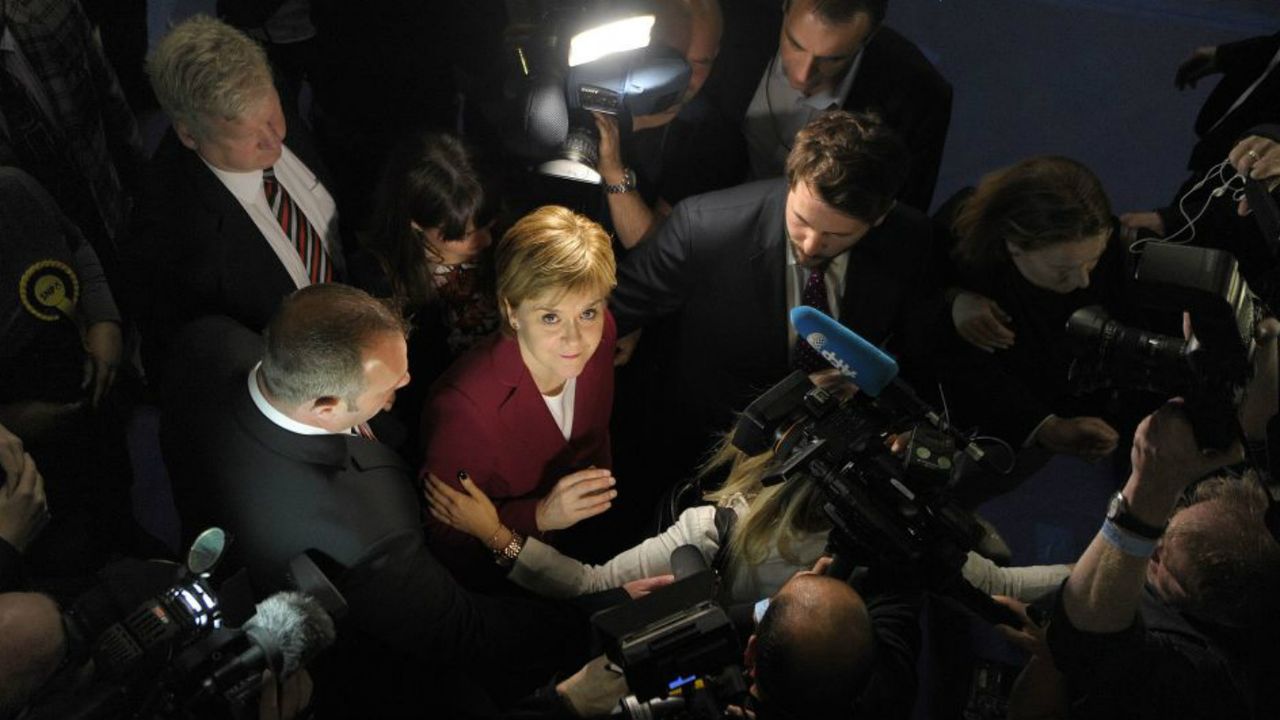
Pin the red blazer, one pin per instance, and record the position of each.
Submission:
(486, 416)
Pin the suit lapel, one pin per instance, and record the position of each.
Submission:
(523, 412)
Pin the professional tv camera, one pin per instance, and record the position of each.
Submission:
(569, 58)
(1210, 371)
(890, 513)
(677, 648)
(157, 635)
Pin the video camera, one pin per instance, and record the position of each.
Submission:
(569, 58)
(158, 638)
(676, 646)
(1210, 371)
(891, 513)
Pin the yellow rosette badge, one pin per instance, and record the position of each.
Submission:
(49, 290)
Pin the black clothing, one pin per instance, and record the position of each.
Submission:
(411, 634)
(1165, 666)
(717, 267)
(894, 80)
(1009, 392)
(197, 252)
(11, 575)
(1242, 63)
(697, 152)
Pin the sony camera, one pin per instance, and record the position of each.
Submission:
(569, 58)
(1210, 371)
(676, 646)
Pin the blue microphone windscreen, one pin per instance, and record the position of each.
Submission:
(869, 367)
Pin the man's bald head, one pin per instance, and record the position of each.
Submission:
(812, 647)
(32, 643)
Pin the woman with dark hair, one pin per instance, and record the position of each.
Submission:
(429, 250)
(1031, 244)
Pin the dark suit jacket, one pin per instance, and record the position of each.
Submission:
(719, 265)
(486, 416)
(197, 252)
(894, 80)
(1241, 63)
(411, 632)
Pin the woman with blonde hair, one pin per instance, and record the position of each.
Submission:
(757, 536)
(524, 416)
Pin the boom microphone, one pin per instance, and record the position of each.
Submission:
(288, 631)
(873, 370)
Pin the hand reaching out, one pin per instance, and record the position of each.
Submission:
(24, 511)
(471, 512)
(1202, 63)
(981, 322)
(1089, 437)
(576, 497)
(105, 346)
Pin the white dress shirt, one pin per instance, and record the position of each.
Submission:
(778, 111)
(308, 193)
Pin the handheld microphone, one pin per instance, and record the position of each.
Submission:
(873, 370)
(869, 367)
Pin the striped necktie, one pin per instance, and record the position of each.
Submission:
(298, 229)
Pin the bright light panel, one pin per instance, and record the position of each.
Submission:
(617, 36)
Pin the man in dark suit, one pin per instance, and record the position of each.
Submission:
(729, 266)
(232, 218)
(272, 444)
(1248, 95)
(781, 64)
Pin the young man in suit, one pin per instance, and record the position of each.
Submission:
(232, 218)
(829, 54)
(727, 267)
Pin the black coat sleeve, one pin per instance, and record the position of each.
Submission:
(654, 279)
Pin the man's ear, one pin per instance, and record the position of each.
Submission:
(185, 136)
(322, 409)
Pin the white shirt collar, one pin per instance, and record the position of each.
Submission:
(246, 186)
(275, 416)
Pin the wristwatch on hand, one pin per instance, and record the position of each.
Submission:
(628, 183)
(1118, 513)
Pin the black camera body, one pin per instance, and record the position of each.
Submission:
(889, 513)
(549, 99)
(676, 646)
(162, 643)
(1210, 372)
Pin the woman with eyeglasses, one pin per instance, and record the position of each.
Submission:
(430, 252)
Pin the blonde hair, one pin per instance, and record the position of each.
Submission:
(552, 249)
(204, 68)
(781, 515)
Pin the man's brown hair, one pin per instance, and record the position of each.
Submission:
(851, 161)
